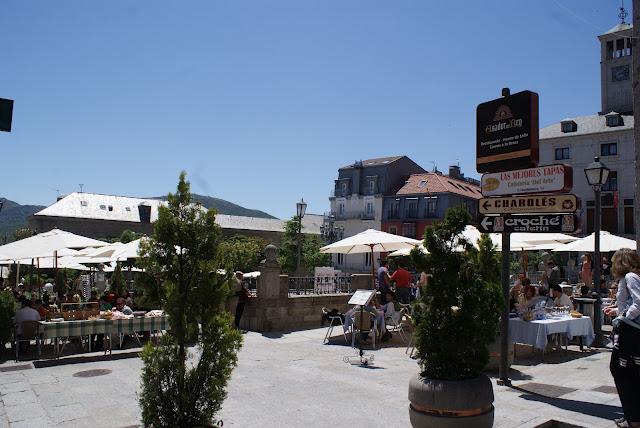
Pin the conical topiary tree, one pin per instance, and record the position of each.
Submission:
(457, 315)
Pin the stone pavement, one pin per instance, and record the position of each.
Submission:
(293, 380)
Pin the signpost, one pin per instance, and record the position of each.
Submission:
(507, 132)
(544, 179)
(527, 204)
(6, 114)
(532, 223)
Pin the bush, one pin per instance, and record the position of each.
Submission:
(457, 316)
(7, 311)
(182, 264)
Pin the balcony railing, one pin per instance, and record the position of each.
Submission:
(355, 215)
(305, 285)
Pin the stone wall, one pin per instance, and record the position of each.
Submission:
(274, 310)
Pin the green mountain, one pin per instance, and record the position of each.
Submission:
(225, 207)
(14, 216)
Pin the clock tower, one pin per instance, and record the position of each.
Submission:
(616, 68)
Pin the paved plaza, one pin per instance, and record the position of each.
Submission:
(293, 380)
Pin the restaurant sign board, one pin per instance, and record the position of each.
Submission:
(507, 133)
(361, 297)
(557, 178)
(533, 223)
(527, 204)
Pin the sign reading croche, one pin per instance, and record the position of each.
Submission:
(507, 133)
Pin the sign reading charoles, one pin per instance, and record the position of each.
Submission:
(507, 133)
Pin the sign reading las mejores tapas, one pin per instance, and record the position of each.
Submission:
(534, 223)
(556, 178)
(529, 204)
(507, 133)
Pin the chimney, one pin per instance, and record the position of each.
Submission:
(145, 213)
(454, 171)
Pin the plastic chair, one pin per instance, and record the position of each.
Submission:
(396, 323)
(29, 333)
(334, 321)
(370, 325)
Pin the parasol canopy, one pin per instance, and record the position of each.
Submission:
(608, 242)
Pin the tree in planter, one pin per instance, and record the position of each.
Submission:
(181, 262)
(310, 254)
(457, 315)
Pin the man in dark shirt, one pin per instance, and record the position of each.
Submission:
(554, 273)
(383, 281)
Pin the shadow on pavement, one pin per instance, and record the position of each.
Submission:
(513, 374)
(85, 359)
(554, 357)
(603, 411)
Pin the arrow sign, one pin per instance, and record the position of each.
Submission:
(529, 204)
(533, 223)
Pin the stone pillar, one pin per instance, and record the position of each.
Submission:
(269, 284)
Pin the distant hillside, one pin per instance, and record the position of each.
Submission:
(14, 216)
(225, 207)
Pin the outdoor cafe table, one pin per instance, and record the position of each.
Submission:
(56, 330)
(535, 332)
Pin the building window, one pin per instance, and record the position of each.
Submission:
(367, 259)
(393, 230)
(127, 209)
(430, 209)
(110, 207)
(563, 153)
(409, 230)
(340, 259)
(629, 228)
(103, 207)
(609, 149)
(340, 209)
(372, 187)
(343, 189)
(394, 209)
(612, 182)
(412, 208)
(369, 208)
(83, 203)
(568, 126)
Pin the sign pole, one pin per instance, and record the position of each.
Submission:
(504, 319)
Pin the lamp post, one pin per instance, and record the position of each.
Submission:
(301, 207)
(597, 174)
(330, 231)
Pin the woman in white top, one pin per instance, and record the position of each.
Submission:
(625, 358)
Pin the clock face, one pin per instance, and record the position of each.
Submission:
(620, 73)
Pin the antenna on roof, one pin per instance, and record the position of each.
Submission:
(435, 167)
(623, 13)
(57, 193)
(81, 186)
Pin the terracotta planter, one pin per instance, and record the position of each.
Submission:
(451, 403)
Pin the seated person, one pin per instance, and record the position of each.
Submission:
(585, 291)
(603, 289)
(559, 298)
(104, 304)
(516, 295)
(122, 307)
(25, 313)
(529, 298)
(42, 311)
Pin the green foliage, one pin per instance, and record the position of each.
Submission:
(22, 233)
(7, 311)
(310, 256)
(129, 235)
(181, 264)
(488, 260)
(457, 315)
(515, 266)
(242, 253)
(118, 283)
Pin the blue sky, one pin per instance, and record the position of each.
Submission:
(262, 101)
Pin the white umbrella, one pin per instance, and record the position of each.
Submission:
(112, 252)
(370, 240)
(407, 251)
(44, 243)
(608, 242)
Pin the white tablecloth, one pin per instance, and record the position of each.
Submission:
(535, 332)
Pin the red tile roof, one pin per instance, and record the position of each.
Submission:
(435, 183)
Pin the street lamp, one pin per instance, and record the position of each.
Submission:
(301, 208)
(597, 174)
(330, 231)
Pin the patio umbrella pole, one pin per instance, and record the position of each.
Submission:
(39, 285)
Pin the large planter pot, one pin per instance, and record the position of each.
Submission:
(451, 403)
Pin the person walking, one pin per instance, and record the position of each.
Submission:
(585, 270)
(625, 357)
(242, 293)
(402, 278)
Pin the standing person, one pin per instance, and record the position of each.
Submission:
(585, 270)
(402, 278)
(605, 268)
(242, 293)
(625, 358)
(554, 273)
(383, 281)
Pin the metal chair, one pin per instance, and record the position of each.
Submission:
(334, 321)
(396, 323)
(29, 333)
(370, 326)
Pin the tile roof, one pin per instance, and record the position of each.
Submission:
(124, 208)
(431, 182)
(593, 124)
(375, 161)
